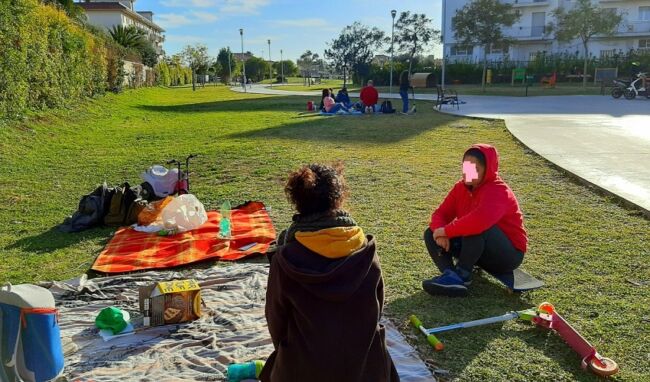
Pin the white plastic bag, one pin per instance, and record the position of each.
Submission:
(184, 213)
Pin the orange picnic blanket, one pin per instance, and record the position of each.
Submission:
(130, 250)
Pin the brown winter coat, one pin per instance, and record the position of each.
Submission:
(323, 312)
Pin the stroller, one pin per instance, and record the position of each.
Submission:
(162, 182)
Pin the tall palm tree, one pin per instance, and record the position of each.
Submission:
(128, 37)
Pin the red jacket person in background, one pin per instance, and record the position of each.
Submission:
(369, 96)
(478, 223)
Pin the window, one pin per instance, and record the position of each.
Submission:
(538, 24)
(644, 13)
(459, 50)
(644, 43)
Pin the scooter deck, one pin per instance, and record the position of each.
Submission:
(518, 280)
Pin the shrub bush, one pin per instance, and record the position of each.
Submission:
(46, 59)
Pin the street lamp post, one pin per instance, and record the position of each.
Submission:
(282, 66)
(392, 43)
(442, 38)
(243, 58)
(229, 68)
(345, 67)
(270, 64)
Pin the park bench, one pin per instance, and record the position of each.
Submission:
(446, 96)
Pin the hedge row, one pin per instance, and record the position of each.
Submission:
(172, 74)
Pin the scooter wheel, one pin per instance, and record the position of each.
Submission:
(617, 93)
(546, 307)
(603, 367)
(629, 94)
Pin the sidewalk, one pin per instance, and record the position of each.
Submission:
(603, 141)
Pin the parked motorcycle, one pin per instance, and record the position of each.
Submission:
(632, 91)
(619, 87)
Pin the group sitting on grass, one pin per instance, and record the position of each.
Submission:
(325, 291)
(342, 104)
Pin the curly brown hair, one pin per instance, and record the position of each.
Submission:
(317, 188)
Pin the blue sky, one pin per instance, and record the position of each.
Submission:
(293, 26)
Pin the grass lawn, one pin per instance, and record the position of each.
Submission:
(592, 253)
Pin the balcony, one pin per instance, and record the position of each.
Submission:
(530, 3)
(535, 33)
(634, 28)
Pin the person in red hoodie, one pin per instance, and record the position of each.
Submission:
(478, 223)
(369, 97)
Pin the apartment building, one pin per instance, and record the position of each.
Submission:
(108, 13)
(531, 37)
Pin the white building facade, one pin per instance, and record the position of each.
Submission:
(531, 37)
(109, 13)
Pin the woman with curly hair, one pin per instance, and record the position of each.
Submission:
(325, 292)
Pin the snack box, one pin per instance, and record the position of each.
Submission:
(170, 302)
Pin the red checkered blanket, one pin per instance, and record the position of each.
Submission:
(130, 250)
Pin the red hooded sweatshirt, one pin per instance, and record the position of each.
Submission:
(466, 212)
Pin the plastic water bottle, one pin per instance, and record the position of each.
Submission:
(241, 371)
(224, 223)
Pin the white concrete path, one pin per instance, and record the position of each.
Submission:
(604, 141)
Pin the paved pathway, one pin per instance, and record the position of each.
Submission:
(601, 140)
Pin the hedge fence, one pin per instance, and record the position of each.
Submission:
(48, 60)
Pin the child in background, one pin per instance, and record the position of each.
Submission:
(325, 292)
(478, 223)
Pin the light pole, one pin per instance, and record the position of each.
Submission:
(243, 58)
(270, 63)
(345, 67)
(442, 37)
(392, 43)
(282, 66)
(229, 68)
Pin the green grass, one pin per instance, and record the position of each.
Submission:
(588, 250)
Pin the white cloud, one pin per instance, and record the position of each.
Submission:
(243, 6)
(301, 23)
(189, 3)
(171, 20)
(204, 17)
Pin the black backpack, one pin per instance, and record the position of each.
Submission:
(91, 210)
(387, 107)
(125, 205)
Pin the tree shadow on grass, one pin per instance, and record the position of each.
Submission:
(54, 239)
(360, 131)
(363, 129)
(487, 299)
(255, 103)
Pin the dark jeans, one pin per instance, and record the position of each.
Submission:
(405, 100)
(490, 250)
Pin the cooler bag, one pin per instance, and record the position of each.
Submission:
(30, 339)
